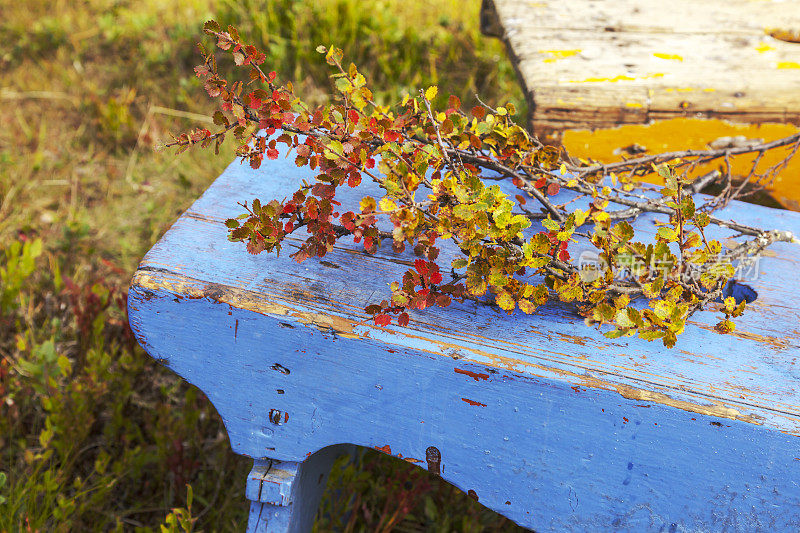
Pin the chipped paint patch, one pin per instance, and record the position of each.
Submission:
(555, 55)
(619, 78)
(473, 402)
(474, 375)
(764, 47)
(773, 342)
(670, 57)
(244, 299)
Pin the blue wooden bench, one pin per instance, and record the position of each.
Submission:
(539, 417)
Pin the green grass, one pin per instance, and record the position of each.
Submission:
(93, 434)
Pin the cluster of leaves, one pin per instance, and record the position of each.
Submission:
(434, 168)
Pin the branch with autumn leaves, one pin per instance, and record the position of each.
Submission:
(437, 170)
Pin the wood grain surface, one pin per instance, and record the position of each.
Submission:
(595, 63)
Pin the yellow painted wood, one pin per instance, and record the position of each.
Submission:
(680, 134)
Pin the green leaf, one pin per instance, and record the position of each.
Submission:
(459, 263)
(502, 219)
(687, 207)
(668, 234)
(211, 26)
(551, 224)
(498, 279)
(464, 212)
(343, 85)
(702, 220)
(651, 335)
(623, 320)
(623, 231)
(538, 262)
(603, 312)
(220, 119)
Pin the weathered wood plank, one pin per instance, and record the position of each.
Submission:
(547, 421)
(593, 64)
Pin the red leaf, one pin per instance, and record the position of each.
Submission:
(454, 102)
(478, 112)
(402, 320)
(369, 163)
(352, 115)
(563, 255)
(390, 136)
(348, 220)
(354, 180)
(272, 75)
(383, 320)
(421, 266)
(541, 182)
(272, 153)
(443, 300)
(435, 278)
(553, 189)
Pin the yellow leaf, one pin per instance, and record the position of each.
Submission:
(505, 301)
(387, 204)
(431, 93)
(527, 306)
(563, 169)
(367, 204)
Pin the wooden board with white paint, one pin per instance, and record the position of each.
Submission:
(597, 64)
(543, 418)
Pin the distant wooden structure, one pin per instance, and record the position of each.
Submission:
(598, 64)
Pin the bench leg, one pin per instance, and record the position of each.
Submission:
(284, 495)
